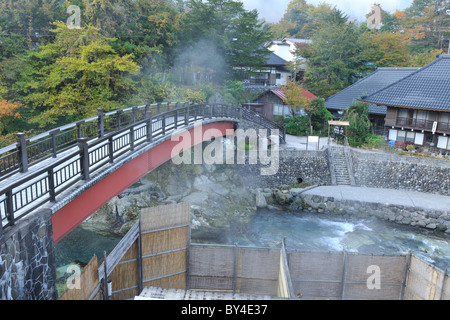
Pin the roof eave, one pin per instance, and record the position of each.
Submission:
(407, 107)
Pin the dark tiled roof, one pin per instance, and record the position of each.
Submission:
(280, 94)
(274, 60)
(379, 79)
(376, 109)
(427, 88)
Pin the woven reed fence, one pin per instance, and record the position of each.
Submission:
(314, 275)
(89, 285)
(342, 275)
(157, 252)
(426, 282)
(153, 253)
(234, 269)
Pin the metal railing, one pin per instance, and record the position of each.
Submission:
(414, 122)
(349, 161)
(18, 157)
(423, 124)
(98, 141)
(260, 119)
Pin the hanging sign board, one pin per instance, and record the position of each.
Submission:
(338, 123)
(339, 130)
(338, 126)
(433, 130)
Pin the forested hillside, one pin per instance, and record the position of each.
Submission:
(342, 51)
(124, 52)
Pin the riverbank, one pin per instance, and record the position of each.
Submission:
(431, 211)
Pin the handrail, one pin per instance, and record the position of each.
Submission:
(265, 122)
(331, 163)
(349, 161)
(89, 154)
(17, 157)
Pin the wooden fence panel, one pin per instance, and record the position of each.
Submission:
(257, 271)
(316, 275)
(165, 244)
(362, 269)
(211, 268)
(425, 282)
(89, 284)
(160, 241)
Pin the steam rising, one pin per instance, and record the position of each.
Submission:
(199, 64)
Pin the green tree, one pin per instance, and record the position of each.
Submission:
(25, 24)
(71, 77)
(360, 125)
(319, 115)
(296, 99)
(426, 23)
(146, 28)
(297, 15)
(385, 49)
(302, 19)
(296, 125)
(334, 57)
(226, 32)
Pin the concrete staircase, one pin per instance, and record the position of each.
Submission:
(340, 166)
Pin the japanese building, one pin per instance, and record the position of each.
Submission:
(271, 103)
(418, 106)
(377, 80)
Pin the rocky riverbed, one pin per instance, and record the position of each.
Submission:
(227, 201)
(220, 201)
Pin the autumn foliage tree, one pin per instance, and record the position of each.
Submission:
(386, 49)
(297, 100)
(75, 75)
(9, 115)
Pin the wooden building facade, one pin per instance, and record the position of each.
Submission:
(418, 107)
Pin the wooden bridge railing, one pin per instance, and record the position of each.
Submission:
(82, 148)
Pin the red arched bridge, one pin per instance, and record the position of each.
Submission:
(77, 168)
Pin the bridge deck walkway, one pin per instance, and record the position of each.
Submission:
(36, 166)
(32, 176)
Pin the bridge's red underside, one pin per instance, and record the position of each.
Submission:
(71, 215)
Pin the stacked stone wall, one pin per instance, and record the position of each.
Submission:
(402, 172)
(27, 260)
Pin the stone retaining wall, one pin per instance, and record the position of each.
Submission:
(295, 199)
(27, 260)
(309, 166)
(392, 171)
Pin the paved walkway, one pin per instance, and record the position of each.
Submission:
(422, 200)
(427, 201)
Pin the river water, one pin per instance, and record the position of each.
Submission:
(303, 231)
(323, 232)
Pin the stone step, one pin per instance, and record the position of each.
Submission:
(340, 167)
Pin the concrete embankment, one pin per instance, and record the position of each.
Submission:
(431, 211)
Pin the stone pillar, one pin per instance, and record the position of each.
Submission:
(27, 259)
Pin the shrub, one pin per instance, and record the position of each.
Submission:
(410, 147)
(403, 145)
(296, 126)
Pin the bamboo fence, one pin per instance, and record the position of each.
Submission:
(157, 253)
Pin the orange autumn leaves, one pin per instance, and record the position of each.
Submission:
(9, 112)
(9, 109)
